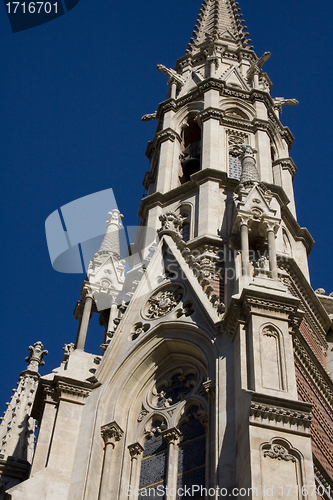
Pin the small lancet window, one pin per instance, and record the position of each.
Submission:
(154, 462)
(186, 228)
(191, 149)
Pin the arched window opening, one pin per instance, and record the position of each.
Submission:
(174, 449)
(191, 149)
(237, 113)
(154, 462)
(192, 453)
(185, 231)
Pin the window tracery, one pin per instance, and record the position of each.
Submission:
(174, 416)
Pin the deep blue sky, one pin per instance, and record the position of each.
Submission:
(72, 95)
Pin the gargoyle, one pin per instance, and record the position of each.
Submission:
(149, 116)
(279, 102)
(256, 67)
(172, 74)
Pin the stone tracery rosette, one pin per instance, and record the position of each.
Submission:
(163, 302)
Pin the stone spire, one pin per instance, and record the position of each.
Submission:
(17, 426)
(110, 242)
(219, 20)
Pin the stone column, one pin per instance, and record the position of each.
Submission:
(245, 250)
(82, 334)
(111, 433)
(135, 451)
(172, 438)
(272, 250)
(173, 86)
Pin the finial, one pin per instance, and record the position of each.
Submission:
(114, 219)
(35, 359)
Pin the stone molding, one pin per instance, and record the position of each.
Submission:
(166, 135)
(111, 433)
(210, 113)
(290, 416)
(240, 308)
(322, 386)
(286, 164)
(297, 289)
(71, 393)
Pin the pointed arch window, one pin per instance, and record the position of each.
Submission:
(174, 449)
(191, 148)
(185, 210)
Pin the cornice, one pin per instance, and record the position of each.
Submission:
(210, 113)
(252, 301)
(189, 187)
(286, 164)
(163, 135)
(59, 389)
(71, 392)
(291, 416)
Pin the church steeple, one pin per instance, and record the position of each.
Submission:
(219, 21)
(212, 377)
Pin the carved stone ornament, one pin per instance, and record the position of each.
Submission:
(135, 450)
(111, 433)
(142, 414)
(163, 302)
(69, 348)
(270, 331)
(171, 436)
(171, 223)
(320, 291)
(157, 427)
(35, 359)
(280, 453)
(139, 328)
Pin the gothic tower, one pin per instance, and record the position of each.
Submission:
(215, 377)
